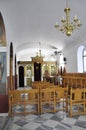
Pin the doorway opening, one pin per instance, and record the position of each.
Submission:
(21, 76)
(37, 71)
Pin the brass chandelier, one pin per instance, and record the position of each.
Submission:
(68, 27)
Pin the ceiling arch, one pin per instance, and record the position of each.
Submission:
(28, 22)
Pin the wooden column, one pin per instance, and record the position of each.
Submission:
(11, 66)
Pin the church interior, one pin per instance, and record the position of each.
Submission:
(42, 65)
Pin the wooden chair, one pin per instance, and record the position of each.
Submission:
(25, 99)
(85, 99)
(47, 100)
(61, 99)
(76, 101)
(32, 102)
(40, 84)
(14, 100)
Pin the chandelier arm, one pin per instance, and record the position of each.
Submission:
(67, 11)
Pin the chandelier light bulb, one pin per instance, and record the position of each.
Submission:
(75, 19)
(79, 23)
(63, 20)
(69, 33)
(56, 25)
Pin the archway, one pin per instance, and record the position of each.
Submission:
(21, 76)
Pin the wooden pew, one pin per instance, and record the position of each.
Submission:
(54, 98)
(41, 84)
(76, 102)
(22, 99)
(61, 99)
(47, 100)
(75, 82)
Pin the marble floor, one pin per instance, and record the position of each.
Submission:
(48, 121)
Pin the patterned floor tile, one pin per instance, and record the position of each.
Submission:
(32, 126)
(77, 128)
(40, 120)
(56, 118)
(50, 123)
(44, 128)
(20, 122)
(15, 127)
(46, 115)
(81, 124)
(61, 127)
(69, 121)
(31, 117)
(82, 118)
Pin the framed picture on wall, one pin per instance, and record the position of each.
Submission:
(53, 70)
(2, 72)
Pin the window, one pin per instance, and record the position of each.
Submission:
(84, 60)
(81, 56)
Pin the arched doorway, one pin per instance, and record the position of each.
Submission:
(21, 76)
(37, 71)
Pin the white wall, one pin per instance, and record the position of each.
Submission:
(71, 54)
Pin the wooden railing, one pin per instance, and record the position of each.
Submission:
(22, 98)
(75, 75)
(47, 99)
(43, 100)
(41, 84)
(77, 101)
(74, 81)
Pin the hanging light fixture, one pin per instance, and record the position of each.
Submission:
(38, 58)
(68, 27)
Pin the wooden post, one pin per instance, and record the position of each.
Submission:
(11, 66)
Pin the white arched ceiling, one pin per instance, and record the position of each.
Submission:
(28, 22)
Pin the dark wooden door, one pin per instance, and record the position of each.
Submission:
(21, 76)
(37, 71)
